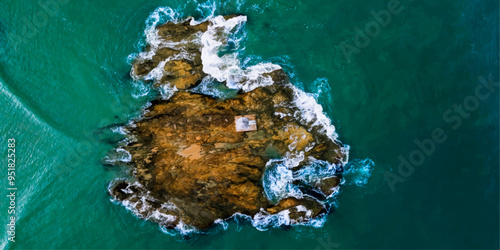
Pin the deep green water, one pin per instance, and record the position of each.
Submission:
(60, 85)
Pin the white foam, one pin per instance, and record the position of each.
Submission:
(119, 130)
(159, 16)
(205, 7)
(321, 87)
(263, 220)
(278, 177)
(228, 68)
(222, 223)
(357, 172)
(166, 91)
(181, 228)
(164, 218)
(119, 155)
(277, 181)
(281, 115)
(143, 206)
(316, 170)
(140, 89)
(208, 86)
(311, 113)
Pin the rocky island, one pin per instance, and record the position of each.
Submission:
(196, 159)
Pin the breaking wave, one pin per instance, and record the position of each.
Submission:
(119, 155)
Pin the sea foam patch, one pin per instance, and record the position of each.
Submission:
(227, 68)
(358, 171)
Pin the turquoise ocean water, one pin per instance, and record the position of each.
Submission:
(64, 77)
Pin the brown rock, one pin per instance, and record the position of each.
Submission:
(177, 32)
(220, 176)
(182, 74)
(327, 185)
(299, 210)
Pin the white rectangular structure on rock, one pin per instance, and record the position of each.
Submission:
(245, 123)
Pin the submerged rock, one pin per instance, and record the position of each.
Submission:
(191, 164)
